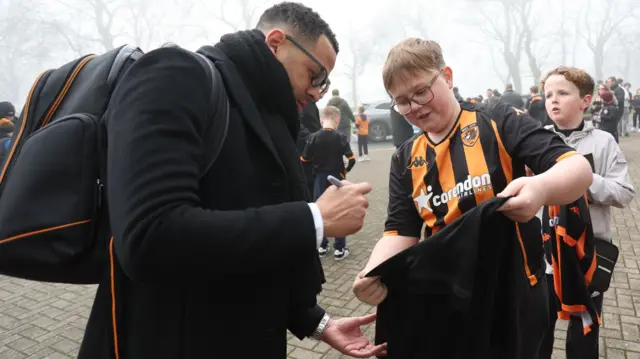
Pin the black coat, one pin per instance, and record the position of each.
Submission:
(618, 92)
(402, 130)
(513, 98)
(202, 268)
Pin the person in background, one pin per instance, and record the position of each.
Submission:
(605, 112)
(535, 106)
(635, 104)
(6, 133)
(456, 93)
(512, 97)
(325, 151)
(362, 124)
(346, 115)
(619, 93)
(7, 111)
(401, 128)
(309, 124)
(568, 93)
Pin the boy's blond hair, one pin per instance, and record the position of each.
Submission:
(330, 116)
(409, 57)
(361, 108)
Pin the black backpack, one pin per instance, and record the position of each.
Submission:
(54, 223)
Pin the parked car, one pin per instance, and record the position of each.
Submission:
(379, 120)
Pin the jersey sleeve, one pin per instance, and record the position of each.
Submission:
(307, 153)
(526, 140)
(402, 217)
(347, 149)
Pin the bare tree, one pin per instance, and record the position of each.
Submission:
(599, 33)
(510, 35)
(361, 52)
(535, 54)
(98, 15)
(365, 48)
(415, 17)
(146, 22)
(246, 14)
(22, 52)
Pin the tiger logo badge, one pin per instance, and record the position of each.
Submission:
(470, 135)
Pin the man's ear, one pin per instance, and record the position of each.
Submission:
(274, 39)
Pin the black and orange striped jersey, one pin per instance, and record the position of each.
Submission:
(432, 184)
(571, 249)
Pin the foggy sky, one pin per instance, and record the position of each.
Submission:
(457, 25)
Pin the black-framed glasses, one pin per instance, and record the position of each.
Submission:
(421, 97)
(320, 78)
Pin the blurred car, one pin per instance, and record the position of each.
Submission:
(379, 120)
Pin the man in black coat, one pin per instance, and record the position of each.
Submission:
(401, 128)
(512, 98)
(220, 264)
(309, 124)
(618, 92)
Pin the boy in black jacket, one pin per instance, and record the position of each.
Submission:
(325, 150)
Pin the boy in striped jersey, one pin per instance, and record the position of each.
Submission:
(464, 156)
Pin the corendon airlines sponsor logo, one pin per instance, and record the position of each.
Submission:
(468, 187)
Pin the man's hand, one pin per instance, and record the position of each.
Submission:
(343, 209)
(344, 335)
(369, 290)
(529, 197)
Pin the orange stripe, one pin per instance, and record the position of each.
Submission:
(24, 121)
(476, 162)
(391, 233)
(43, 231)
(447, 179)
(574, 308)
(113, 300)
(532, 278)
(65, 89)
(419, 149)
(566, 155)
(588, 277)
(351, 158)
(505, 158)
(580, 244)
(303, 160)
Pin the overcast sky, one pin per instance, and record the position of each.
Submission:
(460, 26)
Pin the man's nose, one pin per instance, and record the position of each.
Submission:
(314, 93)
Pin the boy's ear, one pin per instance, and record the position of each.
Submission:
(586, 101)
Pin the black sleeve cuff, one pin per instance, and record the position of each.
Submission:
(302, 323)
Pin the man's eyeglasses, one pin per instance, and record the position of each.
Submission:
(320, 78)
(421, 97)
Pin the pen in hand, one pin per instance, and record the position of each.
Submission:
(334, 181)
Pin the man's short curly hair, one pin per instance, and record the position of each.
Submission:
(303, 21)
(583, 81)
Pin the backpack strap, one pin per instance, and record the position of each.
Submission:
(216, 132)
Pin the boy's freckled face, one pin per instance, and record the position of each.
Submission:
(563, 101)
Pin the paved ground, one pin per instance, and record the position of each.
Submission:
(47, 321)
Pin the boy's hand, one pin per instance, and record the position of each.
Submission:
(529, 197)
(369, 290)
